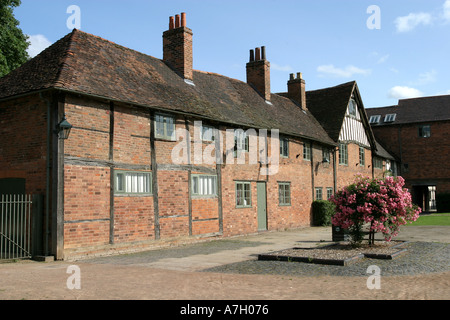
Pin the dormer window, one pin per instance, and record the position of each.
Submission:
(375, 119)
(390, 117)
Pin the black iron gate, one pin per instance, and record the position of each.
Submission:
(15, 226)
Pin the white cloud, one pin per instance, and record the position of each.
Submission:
(400, 92)
(411, 21)
(347, 72)
(383, 59)
(446, 13)
(38, 43)
(427, 77)
(277, 67)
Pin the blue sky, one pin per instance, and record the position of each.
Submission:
(400, 50)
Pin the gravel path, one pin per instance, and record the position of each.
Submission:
(421, 258)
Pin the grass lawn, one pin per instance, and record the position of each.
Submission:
(435, 219)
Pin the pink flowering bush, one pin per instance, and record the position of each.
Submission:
(382, 203)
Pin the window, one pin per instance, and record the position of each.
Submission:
(204, 185)
(362, 156)
(240, 142)
(375, 119)
(390, 117)
(424, 131)
(284, 147)
(329, 193)
(127, 182)
(307, 151)
(325, 155)
(378, 163)
(352, 108)
(284, 193)
(343, 154)
(243, 194)
(207, 133)
(318, 193)
(164, 127)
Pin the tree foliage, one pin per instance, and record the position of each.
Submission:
(13, 43)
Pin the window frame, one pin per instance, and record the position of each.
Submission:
(240, 141)
(354, 105)
(375, 119)
(320, 190)
(124, 173)
(282, 194)
(330, 192)
(165, 135)
(202, 133)
(284, 146)
(362, 156)
(390, 117)
(326, 155)
(422, 132)
(343, 156)
(196, 193)
(307, 150)
(243, 195)
(378, 163)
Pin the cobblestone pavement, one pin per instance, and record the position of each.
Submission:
(239, 256)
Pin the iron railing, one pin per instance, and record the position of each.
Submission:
(15, 226)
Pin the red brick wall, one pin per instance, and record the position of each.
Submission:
(426, 158)
(23, 143)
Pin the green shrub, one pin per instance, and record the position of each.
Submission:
(443, 202)
(322, 211)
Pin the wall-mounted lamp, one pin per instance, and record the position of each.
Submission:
(63, 129)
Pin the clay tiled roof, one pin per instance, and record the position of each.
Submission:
(88, 64)
(329, 106)
(427, 109)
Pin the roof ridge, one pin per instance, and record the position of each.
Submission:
(67, 51)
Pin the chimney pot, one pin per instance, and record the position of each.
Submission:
(183, 19)
(171, 23)
(291, 76)
(252, 55)
(257, 54)
(177, 21)
(299, 75)
(263, 53)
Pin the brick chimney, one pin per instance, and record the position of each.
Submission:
(177, 47)
(297, 90)
(258, 72)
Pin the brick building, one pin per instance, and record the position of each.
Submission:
(416, 132)
(161, 151)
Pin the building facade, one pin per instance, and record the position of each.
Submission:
(160, 151)
(416, 132)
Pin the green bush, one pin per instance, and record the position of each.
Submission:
(322, 211)
(443, 202)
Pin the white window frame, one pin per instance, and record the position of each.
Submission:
(307, 150)
(132, 182)
(203, 185)
(390, 117)
(284, 193)
(375, 119)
